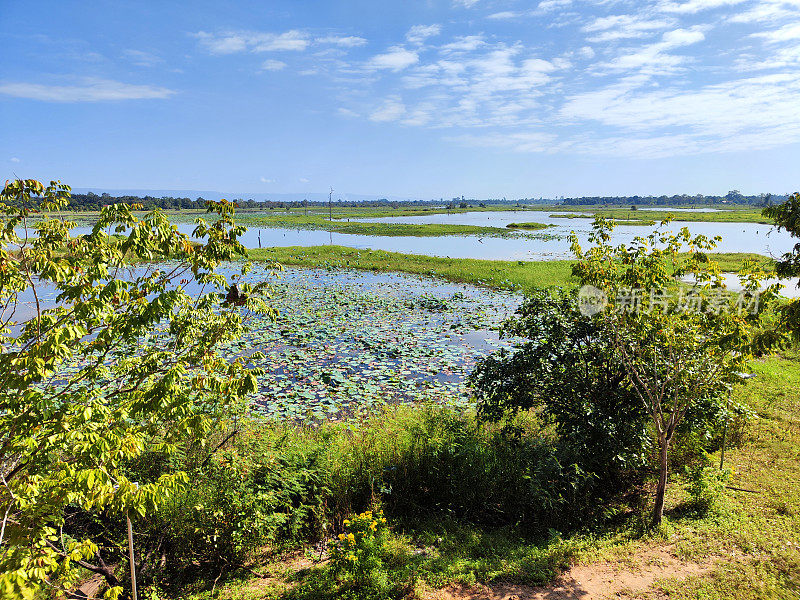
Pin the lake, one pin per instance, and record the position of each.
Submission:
(345, 342)
(554, 244)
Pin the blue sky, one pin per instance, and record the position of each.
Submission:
(433, 98)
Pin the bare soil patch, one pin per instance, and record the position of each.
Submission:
(589, 582)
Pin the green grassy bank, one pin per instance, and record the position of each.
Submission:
(723, 216)
(339, 225)
(501, 274)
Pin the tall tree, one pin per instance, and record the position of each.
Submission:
(787, 216)
(106, 352)
(681, 335)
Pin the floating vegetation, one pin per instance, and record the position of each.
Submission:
(347, 342)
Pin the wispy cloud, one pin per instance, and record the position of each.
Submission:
(713, 117)
(549, 5)
(783, 34)
(231, 42)
(88, 90)
(769, 11)
(465, 43)
(618, 27)
(419, 33)
(695, 6)
(624, 80)
(656, 58)
(504, 15)
(343, 41)
(14, 159)
(391, 110)
(273, 65)
(396, 58)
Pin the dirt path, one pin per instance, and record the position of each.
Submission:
(588, 582)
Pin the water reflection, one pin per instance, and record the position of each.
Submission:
(736, 237)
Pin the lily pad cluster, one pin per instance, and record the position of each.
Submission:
(346, 342)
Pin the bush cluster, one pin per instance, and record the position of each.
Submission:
(281, 485)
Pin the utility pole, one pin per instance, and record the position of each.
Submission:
(330, 206)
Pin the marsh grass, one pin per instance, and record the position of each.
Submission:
(733, 215)
(524, 276)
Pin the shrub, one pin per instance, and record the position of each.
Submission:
(565, 369)
(261, 490)
(706, 482)
(357, 553)
(434, 460)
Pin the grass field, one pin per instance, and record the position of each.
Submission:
(340, 225)
(734, 215)
(502, 274)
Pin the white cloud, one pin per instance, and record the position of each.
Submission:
(771, 11)
(265, 180)
(419, 33)
(392, 110)
(504, 15)
(346, 112)
(14, 159)
(89, 90)
(466, 43)
(497, 91)
(682, 37)
(654, 59)
(618, 27)
(785, 33)
(348, 41)
(232, 42)
(303, 180)
(465, 3)
(273, 65)
(549, 5)
(695, 6)
(478, 85)
(396, 59)
(760, 111)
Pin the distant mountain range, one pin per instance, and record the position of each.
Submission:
(257, 196)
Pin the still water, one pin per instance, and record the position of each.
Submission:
(548, 244)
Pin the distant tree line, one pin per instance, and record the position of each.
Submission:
(92, 201)
(732, 197)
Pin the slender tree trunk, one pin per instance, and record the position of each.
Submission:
(658, 511)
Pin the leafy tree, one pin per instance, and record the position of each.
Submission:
(787, 216)
(682, 346)
(566, 368)
(121, 360)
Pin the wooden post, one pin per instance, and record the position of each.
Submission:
(130, 556)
